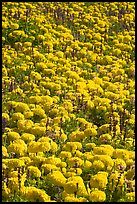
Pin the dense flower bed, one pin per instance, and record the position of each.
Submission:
(68, 101)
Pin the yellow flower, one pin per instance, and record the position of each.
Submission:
(104, 128)
(38, 57)
(116, 52)
(37, 160)
(90, 132)
(34, 171)
(74, 199)
(121, 154)
(78, 144)
(76, 136)
(65, 194)
(77, 153)
(68, 106)
(62, 164)
(130, 133)
(97, 196)
(45, 139)
(4, 152)
(35, 99)
(41, 66)
(87, 165)
(37, 130)
(27, 137)
(78, 171)
(18, 148)
(39, 112)
(44, 147)
(27, 44)
(105, 137)
(57, 178)
(88, 155)
(50, 72)
(108, 147)
(69, 174)
(35, 75)
(5, 116)
(65, 154)
(97, 36)
(54, 147)
(40, 37)
(53, 160)
(33, 147)
(99, 180)
(107, 160)
(71, 199)
(28, 114)
(90, 146)
(21, 107)
(42, 196)
(26, 160)
(17, 116)
(12, 163)
(36, 195)
(14, 25)
(131, 155)
(102, 150)
(98, 165)
(76, 185)
(90, 104)
(129, 162)
(24, 125)
(4, 73)
(60, 54)
(49, 167)
(13, 136)
(70, 146)
(75, 160)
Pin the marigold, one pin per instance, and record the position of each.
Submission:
(39, 112)
(5, 116)
(99, 180)
(76, 185)
(34, 171)
(17, 148)
(27, 137)
(90, 132)
(97, 196)
(57, 178)
(121, 154)
(13, 136)
(34, 194)
(37, 130)
(4, 152)
(106, 137)
(65, 154)
(53, 160)
(12, 163)
(98, 165)
(17, 116)
(21, 107)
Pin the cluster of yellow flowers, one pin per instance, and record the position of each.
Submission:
(68, 101)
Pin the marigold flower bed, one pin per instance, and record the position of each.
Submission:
(68, 101)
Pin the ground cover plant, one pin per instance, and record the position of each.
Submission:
(68, 101)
